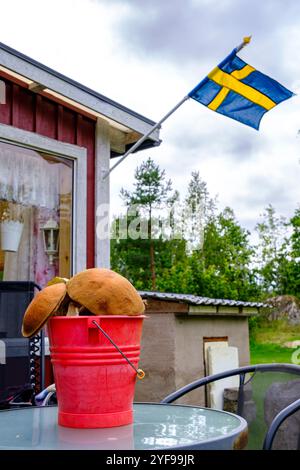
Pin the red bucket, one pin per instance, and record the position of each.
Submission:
(94, 382)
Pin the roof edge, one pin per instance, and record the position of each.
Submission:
(74, 83)
(198, 300)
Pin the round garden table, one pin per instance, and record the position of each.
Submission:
(155, 426)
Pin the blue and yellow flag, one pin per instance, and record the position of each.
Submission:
(239, 91)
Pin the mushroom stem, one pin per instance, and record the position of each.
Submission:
(73, 310)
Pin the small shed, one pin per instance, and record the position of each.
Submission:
(176, 333)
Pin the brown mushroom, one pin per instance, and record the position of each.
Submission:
(104, 292)
(46, 303)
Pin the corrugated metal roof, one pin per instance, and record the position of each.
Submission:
(196, 300)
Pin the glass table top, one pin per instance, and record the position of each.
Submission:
(155, 426)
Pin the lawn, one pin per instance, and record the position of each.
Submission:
(268, 340)
(276, 332)
(269, 352)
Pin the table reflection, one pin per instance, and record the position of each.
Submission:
(155, 427)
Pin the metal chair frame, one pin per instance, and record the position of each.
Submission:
(242, 371)
(277, 422)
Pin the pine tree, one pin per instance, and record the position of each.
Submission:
(152, 191)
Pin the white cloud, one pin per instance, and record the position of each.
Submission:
(148, 55)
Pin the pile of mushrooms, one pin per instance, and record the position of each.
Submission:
(90, 292)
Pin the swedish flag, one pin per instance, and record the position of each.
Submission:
(239, 91)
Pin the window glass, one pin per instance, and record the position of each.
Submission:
(35, 215)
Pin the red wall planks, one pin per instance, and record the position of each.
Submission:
(46, 117)
(26, 107)
(5, 109)
(66, 125)
(86, 138)
(29, 111)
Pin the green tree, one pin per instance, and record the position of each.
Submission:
(129, 257)
(227, 257)
(152, 191)
(295, 236)
(219, 263)
(288, 268)
(271, 234)
(198, 210)
(221, 268)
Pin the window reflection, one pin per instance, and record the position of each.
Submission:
(35, 188)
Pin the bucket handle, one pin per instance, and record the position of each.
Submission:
(139, 372)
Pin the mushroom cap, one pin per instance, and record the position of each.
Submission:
(42, 306)
(105, 292)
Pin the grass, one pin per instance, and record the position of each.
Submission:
(268, 339)
(268, 353)
(276, 332)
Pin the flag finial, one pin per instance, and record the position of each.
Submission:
(245, 42)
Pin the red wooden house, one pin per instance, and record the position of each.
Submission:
(56, 141)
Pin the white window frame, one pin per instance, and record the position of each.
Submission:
(37, 142)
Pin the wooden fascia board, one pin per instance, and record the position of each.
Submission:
(58, 85)
(222, 310)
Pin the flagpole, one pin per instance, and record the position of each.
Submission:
(144, 137)
(246, 41)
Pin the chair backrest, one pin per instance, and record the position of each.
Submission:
(264, 391)
(278, 423)
(19, 365)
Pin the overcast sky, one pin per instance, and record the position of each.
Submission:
(148, 54)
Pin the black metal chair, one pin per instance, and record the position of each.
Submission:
(278, 421)
(22, 362)
(267, 397)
